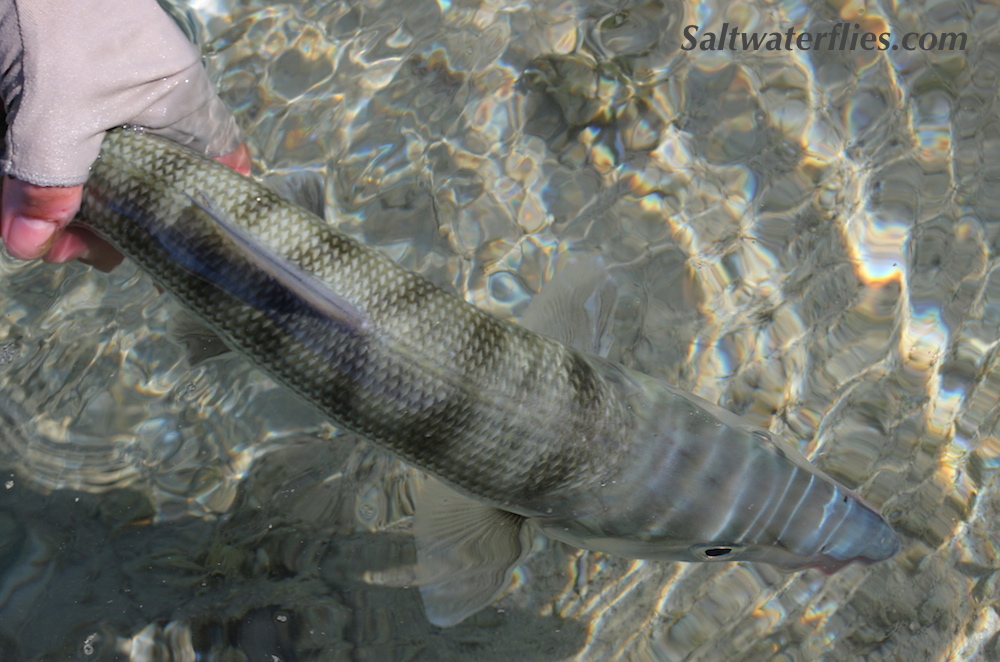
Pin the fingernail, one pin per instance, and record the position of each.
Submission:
(29, 238)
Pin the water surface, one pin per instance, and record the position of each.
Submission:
(808, 238)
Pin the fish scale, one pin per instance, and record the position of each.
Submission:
(540, 435)
(437, 348)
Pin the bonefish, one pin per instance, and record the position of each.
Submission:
(532, 432)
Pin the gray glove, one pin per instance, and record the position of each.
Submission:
(72, 69)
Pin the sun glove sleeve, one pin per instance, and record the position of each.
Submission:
(69, 71)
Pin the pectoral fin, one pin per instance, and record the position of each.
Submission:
(306, 286)
(466, 552)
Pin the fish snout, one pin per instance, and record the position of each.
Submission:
(864, 537)
(878, 551)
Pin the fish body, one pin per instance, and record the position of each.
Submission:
(535, 432)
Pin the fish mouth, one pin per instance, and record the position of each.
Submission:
(828, 565)
(876, 547)
(879, 549)
(866, 538)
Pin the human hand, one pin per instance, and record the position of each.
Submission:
(34, 220)
(63, 88)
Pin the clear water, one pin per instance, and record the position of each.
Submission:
(809, 238)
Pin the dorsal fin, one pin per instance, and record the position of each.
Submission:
(576, 307)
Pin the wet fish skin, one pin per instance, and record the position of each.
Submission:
(594, 454)
(450, 388)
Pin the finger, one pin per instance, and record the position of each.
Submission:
(31, 217)
(34, 219)
(238, 159)
(79, 243)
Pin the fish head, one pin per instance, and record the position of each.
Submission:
(838, 530)
(707, 486)
(853, 532)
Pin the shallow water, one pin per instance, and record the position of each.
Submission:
(808, 238)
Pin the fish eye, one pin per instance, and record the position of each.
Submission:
(716, 551)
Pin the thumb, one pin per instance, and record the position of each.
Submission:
(31, 217)
(33, 222)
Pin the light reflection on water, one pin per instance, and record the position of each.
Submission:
(807, 238)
